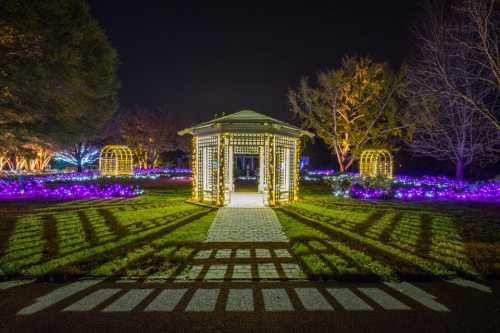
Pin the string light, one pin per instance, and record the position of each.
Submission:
(38, 189)
(116, 160)
(375, 163)
(420, 188)
(89, 156)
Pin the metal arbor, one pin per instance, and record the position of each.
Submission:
(376, 163)
(116, 160)
(216, 142)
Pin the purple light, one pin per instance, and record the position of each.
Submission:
(37, 188)
(321, 172)
(424, 188)
(169, 171)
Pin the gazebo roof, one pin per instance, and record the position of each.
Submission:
(246, 121)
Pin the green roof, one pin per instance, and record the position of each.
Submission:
(244, 117)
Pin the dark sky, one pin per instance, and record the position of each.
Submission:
(204, 59)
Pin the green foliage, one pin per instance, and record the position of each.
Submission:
(150, 235)
(351, 107)
(58, 72)
(342, 184)
(350, 239)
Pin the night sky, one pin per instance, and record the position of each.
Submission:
(202, 59)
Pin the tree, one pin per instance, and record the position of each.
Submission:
(458, 55)
(451, 91)
(149, 132)
(453, 133)
(58, 73)
(80, 155)
(350, 107)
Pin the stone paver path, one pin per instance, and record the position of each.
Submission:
(246, 225)
(276, 297)
(244, 244)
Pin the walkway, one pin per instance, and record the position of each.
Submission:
(246, 225)
(246, 200)
(106, 297)
(227, 306)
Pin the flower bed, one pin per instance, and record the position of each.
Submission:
(414, 188)
(39, 188)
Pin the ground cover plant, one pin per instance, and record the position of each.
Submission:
(413, 188)
(344, 238)
(150, 235)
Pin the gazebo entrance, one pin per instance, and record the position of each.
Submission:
(246, 172)
(220, 143)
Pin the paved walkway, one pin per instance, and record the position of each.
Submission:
(246, 225)
(188, 297)
(227, 306)
(244, 264)
(246, 200)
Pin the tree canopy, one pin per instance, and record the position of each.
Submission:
(58, 81)
(350, 108)
(149, 132)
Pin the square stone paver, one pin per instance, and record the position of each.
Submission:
(166, 300)
(216, 272)
(282, 253)
(267, 271)
(203, 254)
(240, 300)
(128, 301)
(276, 300)
(204, 300)
(242, 272)
(292, 271)
(223, 254)
(194, 273)
(243, 253)
(312, 299)
(262, 253)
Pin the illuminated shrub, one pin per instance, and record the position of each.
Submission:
(116, 161)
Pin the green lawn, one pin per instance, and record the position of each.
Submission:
(346, 239)
(151, 235)
(156, 234)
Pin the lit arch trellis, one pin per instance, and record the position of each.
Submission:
(116, 160)
(216, 142)
(376, 163)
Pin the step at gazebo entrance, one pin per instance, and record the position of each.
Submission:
(276, 145)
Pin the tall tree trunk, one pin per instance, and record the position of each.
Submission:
(459, 170)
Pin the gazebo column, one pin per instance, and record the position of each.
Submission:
(194, 168)
(296, 169)
(230, 164)
(262, 169)
(221, 168)
(271, 171)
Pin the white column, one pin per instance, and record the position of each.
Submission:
(261, 169)
(230, 171)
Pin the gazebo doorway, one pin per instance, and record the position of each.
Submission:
(246, 173)
(221, 143)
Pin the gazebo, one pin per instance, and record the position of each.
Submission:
(274, 143)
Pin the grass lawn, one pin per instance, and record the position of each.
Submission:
(346, 239)
(151, 235)
(156, 234)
